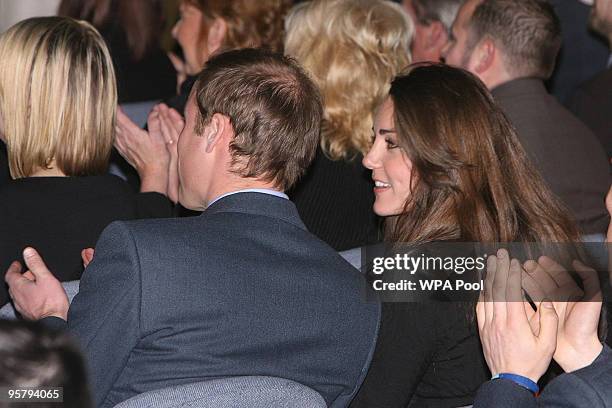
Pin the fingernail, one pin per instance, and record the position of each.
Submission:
(28, 252)
(547, 304)
(500, 253)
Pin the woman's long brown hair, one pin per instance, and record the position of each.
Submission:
(473, 181)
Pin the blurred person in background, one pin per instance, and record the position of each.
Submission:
(433, 20)
(34, 356)
(131, 29)
(205, 27)
(592, 102)
(58, 99)
(512, 45)
(352, 49)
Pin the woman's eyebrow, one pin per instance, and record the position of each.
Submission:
(386, 131)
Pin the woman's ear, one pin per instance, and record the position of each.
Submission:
(216, 35)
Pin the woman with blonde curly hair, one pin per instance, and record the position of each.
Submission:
(352, 49)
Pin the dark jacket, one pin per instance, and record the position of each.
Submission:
(587, 387)
(592, 103)
(243, 289)
(563, 149)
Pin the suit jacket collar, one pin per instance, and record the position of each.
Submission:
(258, 204)
(519, 87)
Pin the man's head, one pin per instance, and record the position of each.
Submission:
(252, 120)
(601, 18)
(433, 20)
(501, 40)
(33, 356)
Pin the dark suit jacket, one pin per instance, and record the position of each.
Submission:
(563, 149)
(592, 103)
(243, 289)
(588, 387)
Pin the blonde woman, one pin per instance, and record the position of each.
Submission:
(58, 98)
(352, 49)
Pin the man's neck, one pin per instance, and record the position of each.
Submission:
(240, 184)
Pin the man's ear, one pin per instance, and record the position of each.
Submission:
(217, 131)
(483, 56)
(437, 36)
(216, 35)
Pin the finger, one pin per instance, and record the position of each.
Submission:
(29, 275)
(590, 280)
(542, 278)
(548, 326)
(557, 272)
(499, 285)
(166, 128)
(35, 263)
(13, 273)
(87, 256)
(514, 291)
(532, 288)
(488, 287)
(177, 120)
(177, 62)
(480, 312)
(124, 121)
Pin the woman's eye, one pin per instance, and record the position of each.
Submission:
(391, 144)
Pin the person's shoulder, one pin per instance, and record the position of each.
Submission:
(599, 84)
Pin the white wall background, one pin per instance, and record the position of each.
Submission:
(12, 11)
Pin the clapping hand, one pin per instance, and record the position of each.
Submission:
(511, 342)
(578, 311)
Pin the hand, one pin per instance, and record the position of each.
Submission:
(181, 70)
(171, 124)
(509, 342)
(36, 293)
(577, 341)
(87, 256)
(145, 151)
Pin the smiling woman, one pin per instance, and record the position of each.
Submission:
(459, 175)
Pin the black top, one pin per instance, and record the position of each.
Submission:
(151, 78)
(61, 216)
(427, 355)
(335, 200)
(5, 175)
(179, 102)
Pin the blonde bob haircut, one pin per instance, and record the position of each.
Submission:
(352, 49)
(58, 97)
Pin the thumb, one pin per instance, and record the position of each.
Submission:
(549, 322)
(35, 263)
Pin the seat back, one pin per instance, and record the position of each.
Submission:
(233, 392)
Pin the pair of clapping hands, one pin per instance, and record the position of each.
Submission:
(518, 340)
(152, 153)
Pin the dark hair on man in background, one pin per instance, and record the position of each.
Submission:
(33, 356)
(528, 32)
(267, 97)
(140, 19)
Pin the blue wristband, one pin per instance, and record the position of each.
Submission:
(520, 380)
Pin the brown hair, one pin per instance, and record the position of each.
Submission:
(472, 179)
(273, 106)
(141, 20)
(527, 31)
(250, 23)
